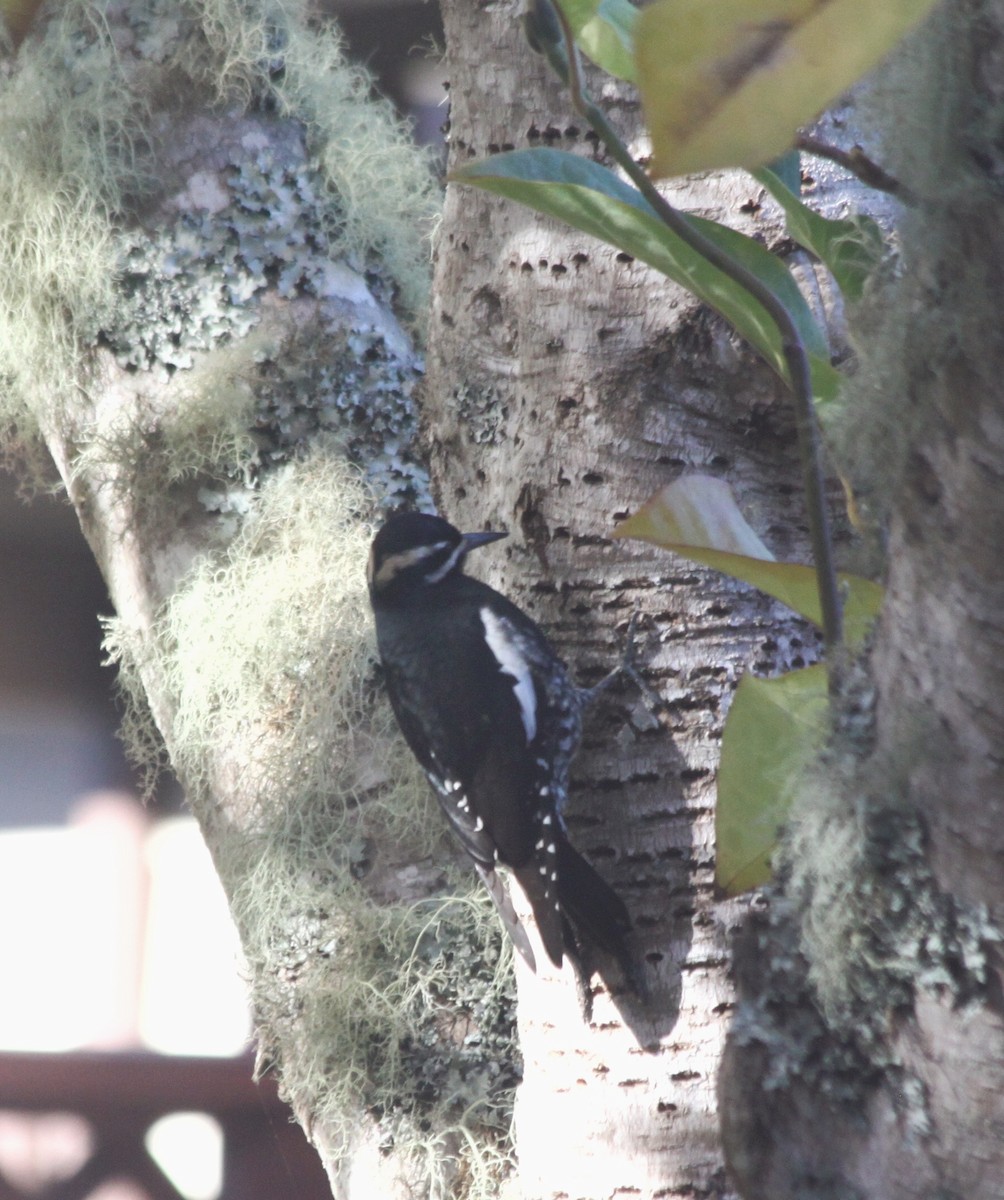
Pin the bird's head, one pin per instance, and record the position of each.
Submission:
(418, 550)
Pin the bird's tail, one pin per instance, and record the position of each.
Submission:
(513, 925)
(588, 910)
(594, 908)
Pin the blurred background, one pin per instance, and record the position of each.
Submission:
(116, 936)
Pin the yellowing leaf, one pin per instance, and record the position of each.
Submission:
(697, 517)
(694, 510)
(728, 82)
(773, 729)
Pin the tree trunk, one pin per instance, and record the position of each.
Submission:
(181, 326)
(182, 191)
(567, 383)
(872, 1000)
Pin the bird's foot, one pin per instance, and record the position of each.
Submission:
(628, 666)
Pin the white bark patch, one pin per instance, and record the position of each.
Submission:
(505, 646)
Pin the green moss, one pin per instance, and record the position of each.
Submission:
(224, 371)
(68, 133)
(78, 129)
(857, 928)
(400, 1009)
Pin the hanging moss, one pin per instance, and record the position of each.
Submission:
(78, 139)
(231, 339)
(403, 1009)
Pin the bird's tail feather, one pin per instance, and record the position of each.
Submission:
(513, 926)
(587, 910)
(595, 909)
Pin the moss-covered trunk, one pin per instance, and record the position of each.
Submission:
(212, 239)
(872, 999)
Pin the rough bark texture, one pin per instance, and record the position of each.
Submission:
(179, 326)
(905, 1071)
(565, 385)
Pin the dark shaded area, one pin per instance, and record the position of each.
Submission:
(121, 1095)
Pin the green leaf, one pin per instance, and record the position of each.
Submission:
(697, 517)
(774, 728)
(726, 83)
(788, 168)
(605, 31)
(595, 200)
(851, 247)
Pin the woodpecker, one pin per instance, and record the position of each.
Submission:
(493, 718)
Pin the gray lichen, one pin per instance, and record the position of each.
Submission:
(79, 146)
(483, 412)
(205, 265)
(189, 287)
(854, 930)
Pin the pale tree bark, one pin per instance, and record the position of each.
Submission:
(565, 385)
(194, 419)
(872, 992)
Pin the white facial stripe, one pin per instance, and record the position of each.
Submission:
(510, 658)
(395, 563)
(447, 567)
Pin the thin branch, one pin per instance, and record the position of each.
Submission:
(858, 163)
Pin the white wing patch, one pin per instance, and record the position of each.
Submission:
(505, 646)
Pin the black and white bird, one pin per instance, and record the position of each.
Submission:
(490, 713)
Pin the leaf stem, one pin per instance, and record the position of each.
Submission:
(564, 58)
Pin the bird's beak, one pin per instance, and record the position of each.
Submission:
(473, 540)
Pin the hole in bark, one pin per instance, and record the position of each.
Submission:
(718, 610)
(692, 774)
